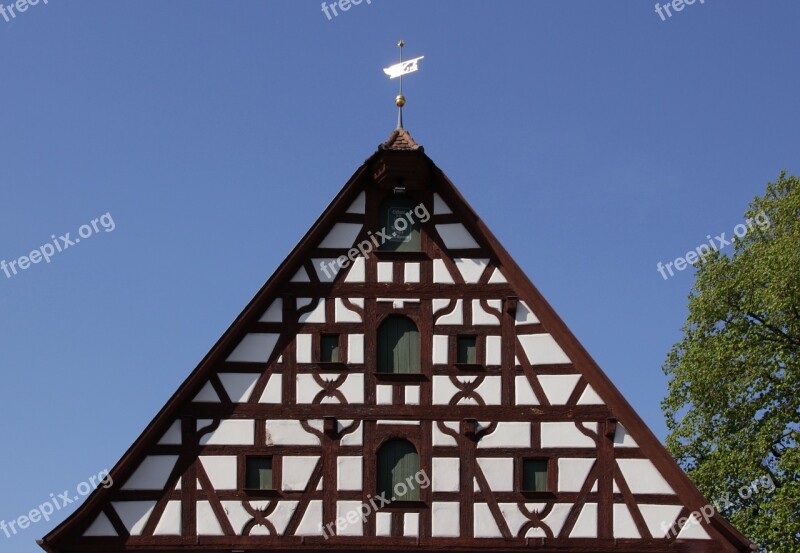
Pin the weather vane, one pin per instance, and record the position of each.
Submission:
(399, 70)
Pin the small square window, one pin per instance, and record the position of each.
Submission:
(534, 475)
(467, 350)
(329, 348)
(259, 473)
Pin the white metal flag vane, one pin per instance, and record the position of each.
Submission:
(403, 68)
(399, 70)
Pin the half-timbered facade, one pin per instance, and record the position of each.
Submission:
(397, 384)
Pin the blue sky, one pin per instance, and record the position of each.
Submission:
(593, 138)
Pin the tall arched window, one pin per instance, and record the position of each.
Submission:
(398, 346)
(400, 223)
(398, 465)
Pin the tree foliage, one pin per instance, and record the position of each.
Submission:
(733, 407)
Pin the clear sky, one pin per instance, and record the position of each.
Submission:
(594, 138)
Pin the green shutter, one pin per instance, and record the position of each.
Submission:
(404, 236)
(259, 473)
(467, 350)
(398, 462)
(398, 346)
(534, 475)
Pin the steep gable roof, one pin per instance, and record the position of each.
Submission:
(458, 231)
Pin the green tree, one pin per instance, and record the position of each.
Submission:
(733, 407)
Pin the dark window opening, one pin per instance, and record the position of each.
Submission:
(534, 475)
(259, 473)
(329, 348)
(467, 350)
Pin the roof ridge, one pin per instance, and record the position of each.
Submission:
(400, 140)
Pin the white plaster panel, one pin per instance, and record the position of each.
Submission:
(383, 394)
(356, 437)
(303, 348)
(221, 471)
(134, 514)
(274, 313)
(411, 525)
(558, 387)
(482, 317)
(471, 269)
(357, 271)
(342, 235)
(311, 523)
(446, 473)
(350, 511)
(239, 386)
(572, 473)
(296, 472)
(411, 272)
(170, 522)
(412, 395)
(497, 277)
(237, 515)
(326, 268)
(289, 432)
(525, 315)
(439, 205)
(440, 350)
(344, 314)
(359, 205)
(643, 477)
(566, 434)
(355, 348)
(489, 390)
(101, 527)
(523, 392)
(513, 517)
(586, 525)
(693, 530)
(254, 348)
(173, 435)
(273, 391)
(349, 471)
(385, 271)
(499, 473)
(383, 524)
(484, 523)
(440, 273)
(454, 317)
(558, 515)
(456, 237)
(207, 394)
(301, 276)
(659, 518)
(624, 525)
(442, 439)
(353, 388)
(443, 390)
(623, 439)
(316, 315)
(508, 434)
(229, 432)
(542, 349)
(445, 519)
(590, 397)
(494, 350)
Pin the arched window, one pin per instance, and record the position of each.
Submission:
(398, 346)
(398, 466)
(401, 225)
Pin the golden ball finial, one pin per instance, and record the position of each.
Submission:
(401, 43)
(400, 101)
